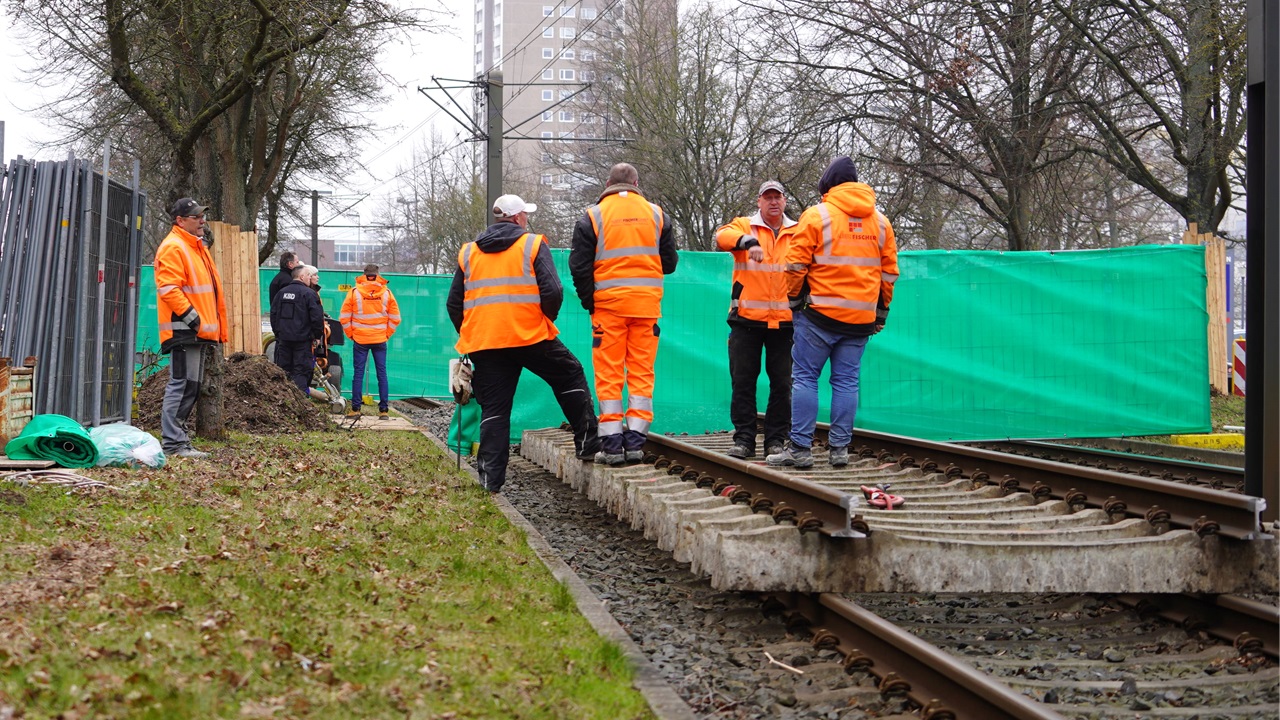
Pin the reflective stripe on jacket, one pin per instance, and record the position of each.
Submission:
(370, 314)
(501, 306)
(628, 270)
(185, 278)
(759, 288)
(846, 250)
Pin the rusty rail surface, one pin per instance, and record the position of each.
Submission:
(811, 506)
(1204, 510)
(943, 686)
(1218, 477)
(1249, 625)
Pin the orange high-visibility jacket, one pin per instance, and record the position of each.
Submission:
(185, 278)
(501, 306)
(846, 250)
(759, 288)
(628, 270)
(370, 313)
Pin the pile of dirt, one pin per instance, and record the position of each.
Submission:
(258, 398)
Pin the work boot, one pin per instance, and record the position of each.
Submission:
(383, 415)
(773, 449)
(611, 459)
(742, 452)
(792, 455)
(190, 452)
(354, 412)
(634, 455)
(839, 456)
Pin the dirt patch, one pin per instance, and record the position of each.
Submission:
(258, 398)
(60, 572)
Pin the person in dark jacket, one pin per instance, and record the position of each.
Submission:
(503, 301)
(288, 261)
(298, 318)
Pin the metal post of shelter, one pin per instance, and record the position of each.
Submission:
(493, 111)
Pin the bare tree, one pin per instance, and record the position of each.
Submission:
(1171, 75)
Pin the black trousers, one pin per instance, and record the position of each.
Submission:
(497, 373)
(297, 361)
(745, 347)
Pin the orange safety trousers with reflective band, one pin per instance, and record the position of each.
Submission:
(501, 307)
(764, 284)
(370, 320)
(847, 276)
(186, 278)
(628, 270)
(623, 350)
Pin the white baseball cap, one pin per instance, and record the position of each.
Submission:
(511, 205)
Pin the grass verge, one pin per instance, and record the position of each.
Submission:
(322, 575)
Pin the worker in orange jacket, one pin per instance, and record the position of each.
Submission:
(192, 312)
(844, 252)
(622, 246)
(759, 320)
(369, 316)
(503, 302)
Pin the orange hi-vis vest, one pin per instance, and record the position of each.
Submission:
(628, 270)
(370, 314)
(760, 287)
(501, 307)
(186, 278)
(850, 271)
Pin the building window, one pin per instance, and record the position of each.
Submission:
(568, 11)
(588, 55)
(588, 13)
(548, 74)
(548, 53)
(546, 136)
(566, 116)
(347, 255)
(567, 53)
(479, 57)
(479, 38)
(568, 33)
(548, 32)
(566, 74)
(547, 10)
(546, 96)
(566, 136)
(586, 118)
(479, 16)
(546, 158)
(547, 116)
(564, 94)
(588, 75)
(546, 178)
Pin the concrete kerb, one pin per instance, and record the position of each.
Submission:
(662, 699)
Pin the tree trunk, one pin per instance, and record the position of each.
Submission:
(210, 423)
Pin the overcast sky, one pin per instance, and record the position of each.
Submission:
(411, 63)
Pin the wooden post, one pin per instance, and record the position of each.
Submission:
(236, 255)
(1215, 259)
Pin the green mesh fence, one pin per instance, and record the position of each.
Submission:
(979, 345)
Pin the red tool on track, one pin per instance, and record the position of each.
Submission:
(878, 496)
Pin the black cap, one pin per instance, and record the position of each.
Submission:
(186, 207)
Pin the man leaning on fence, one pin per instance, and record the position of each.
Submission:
(843, 251)
(759, 320)
(503, 301)
(192, 313)
(370, 315)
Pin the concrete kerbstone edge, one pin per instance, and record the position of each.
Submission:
(665, 702)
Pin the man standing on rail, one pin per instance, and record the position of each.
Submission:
(841, 268)
(622, 246)
(370, 315)
(759, 320)
(503, 302)
(192, 313)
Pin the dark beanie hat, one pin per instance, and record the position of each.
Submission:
(841, 170)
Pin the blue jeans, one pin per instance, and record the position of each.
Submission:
(811, 348)
(360, 356)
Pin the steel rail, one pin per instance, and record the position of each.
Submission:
(1249, 625)
(1171, 470)
(1204, 510)
(943, 686)
(811, 505)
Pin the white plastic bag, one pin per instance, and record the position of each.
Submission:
(123, 445)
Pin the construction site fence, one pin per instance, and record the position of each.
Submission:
(70, 248)
(979, 345)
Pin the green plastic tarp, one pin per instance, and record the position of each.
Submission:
(54, 437)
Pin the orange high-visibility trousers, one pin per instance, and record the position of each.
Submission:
(623, 350)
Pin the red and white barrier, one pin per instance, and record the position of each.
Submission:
(1237, 368)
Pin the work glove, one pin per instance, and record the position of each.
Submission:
(796, 303)
(882, 315)
(191, 319)
(460, 373)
